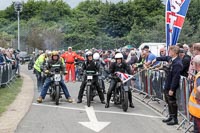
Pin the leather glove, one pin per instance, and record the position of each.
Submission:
(46, 71)
(65, 72)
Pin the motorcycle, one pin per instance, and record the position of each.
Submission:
(55, 90)
(90, 87)
(78, 70)
(120, 94)
(101, 78)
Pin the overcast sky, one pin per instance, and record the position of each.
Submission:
(72, 3)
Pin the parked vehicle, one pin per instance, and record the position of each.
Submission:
(24, 57)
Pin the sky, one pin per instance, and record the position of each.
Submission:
(72, 3)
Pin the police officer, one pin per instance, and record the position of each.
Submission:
(90, 65)
(53, 61)
(172, 83)
(118, 66)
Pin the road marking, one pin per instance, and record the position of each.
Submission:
(93, 123)
(127, 113)
(100, 111)
(61, 107)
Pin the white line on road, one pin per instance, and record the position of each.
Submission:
(93, 123)
(100, 111)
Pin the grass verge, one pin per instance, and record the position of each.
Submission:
(8, 95)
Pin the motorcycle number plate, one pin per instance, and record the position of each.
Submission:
(57, 77)
(89, 77)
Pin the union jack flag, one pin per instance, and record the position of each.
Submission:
(176, 11)
(123, 76)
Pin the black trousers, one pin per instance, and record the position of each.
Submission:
(111, 88)
(96, 83)
(172, 105)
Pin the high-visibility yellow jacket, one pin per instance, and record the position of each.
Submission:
(38, 63)
(194, 106)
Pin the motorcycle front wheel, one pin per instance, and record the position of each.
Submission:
(125, 101)
(57, 95)
(88, 95)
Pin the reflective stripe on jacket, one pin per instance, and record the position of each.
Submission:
(193, 106)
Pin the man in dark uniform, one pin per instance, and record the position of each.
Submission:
(90, 65)
(172, 83)
(118, 66)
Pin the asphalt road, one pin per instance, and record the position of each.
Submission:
(74, 118)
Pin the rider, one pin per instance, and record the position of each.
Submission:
(102, 64)
(90, 65)
(118, 66)
(55, 59)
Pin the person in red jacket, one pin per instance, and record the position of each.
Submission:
(69, 57)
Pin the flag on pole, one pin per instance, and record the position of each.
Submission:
(123, 76)
(176, 11)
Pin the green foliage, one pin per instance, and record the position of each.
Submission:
(93, 23)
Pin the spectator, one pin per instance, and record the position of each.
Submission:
(149, 57)
(162, 51)
(140, 62)
(2, 58)
(195, 51)
(194, 101)
(190, 50)
(132, 58)
(186, 48)
(172, 83)
(185, 61)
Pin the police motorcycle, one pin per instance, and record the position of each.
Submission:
(90, 87)
(120, 93)
(55, 90)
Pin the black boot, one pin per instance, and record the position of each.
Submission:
(108, 102)
(174, 121)
(79, 101)
(103, 102)
(104, 91)
(131, 105)
(168, 119)
(107, 105)
(130, 99)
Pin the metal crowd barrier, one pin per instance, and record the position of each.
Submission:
(7, 74)
(151, 84)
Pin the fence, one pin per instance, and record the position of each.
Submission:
(151, 84)
(7, 74)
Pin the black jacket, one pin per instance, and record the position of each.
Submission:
(173, 75)
(91, 66)
(51, 62)
(186, 64)
(123, 67)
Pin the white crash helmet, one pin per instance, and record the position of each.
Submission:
(118, 56)
(96, 56)
(89, 53)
